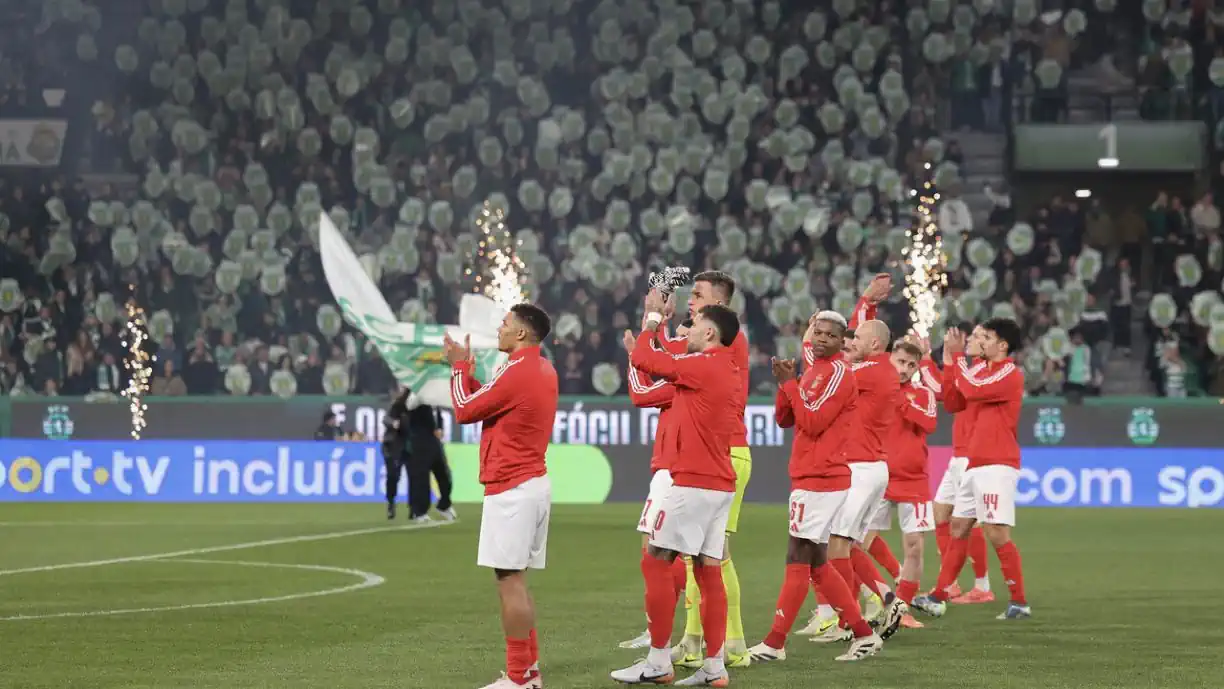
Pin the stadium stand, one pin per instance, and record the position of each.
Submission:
(772, 140)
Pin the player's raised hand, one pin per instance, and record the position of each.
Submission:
(810, 333)
(783, 369)
(953, 344)
(454, 351)
(629, 340)
(879, 288)
(655, 302)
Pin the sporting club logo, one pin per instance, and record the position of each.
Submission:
(1143, 428)
(1049, 428)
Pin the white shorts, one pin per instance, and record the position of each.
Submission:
(868, 481)
(692, 521)
(946, 493)
(915, 517)
(812, 514)
(660, 483)
(514, 527)
(988, 494)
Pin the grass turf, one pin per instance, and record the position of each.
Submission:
(1122, 598)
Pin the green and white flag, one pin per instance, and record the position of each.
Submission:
(412, 351)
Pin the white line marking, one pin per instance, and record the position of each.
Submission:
(367, 580)
(220, 548)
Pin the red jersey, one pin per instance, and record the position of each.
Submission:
(647, 393)
(954, 403)
(863, 311)
(931, 377)
(704, 412)
(876, 409)
(907, 445)
(739, 354)
(518, 406)
(820, 407)
(994, 393)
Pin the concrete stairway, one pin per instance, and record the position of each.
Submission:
(985, 165)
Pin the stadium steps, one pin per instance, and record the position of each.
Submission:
(1128, 375)
(1087, 89)
(985, 164)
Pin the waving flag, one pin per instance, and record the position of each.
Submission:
(412, 351)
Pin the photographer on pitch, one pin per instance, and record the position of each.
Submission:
(413, 442)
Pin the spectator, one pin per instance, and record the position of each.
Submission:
(1079, 368)
(168, 383)
(1121, 285)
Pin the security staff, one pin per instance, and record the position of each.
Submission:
(418, 432)
(395, 446)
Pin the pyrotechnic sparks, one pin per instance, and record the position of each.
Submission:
(499, 274)
(925, 279)
(139, 364)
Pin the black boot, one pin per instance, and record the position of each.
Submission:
(391, 510)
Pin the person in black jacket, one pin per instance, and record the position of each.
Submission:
(416, 430)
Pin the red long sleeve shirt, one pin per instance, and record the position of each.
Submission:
(994, 394)
(863, 311)
(517, 407)
(820, 407)
(931, 378)
(907, 445)
(647, 393)
(876, 409)
(739, 354)
(954, 403)
(705, 409)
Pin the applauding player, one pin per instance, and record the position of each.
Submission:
(820, 407)
(717, 288)
(908, 493)
(987, 492)
(517, 407)
(647, 393)
(693, 516)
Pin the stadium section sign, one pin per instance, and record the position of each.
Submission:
(32, 143)
(1131, 146)
(606, 422)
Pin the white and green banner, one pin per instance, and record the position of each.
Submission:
(413, 351)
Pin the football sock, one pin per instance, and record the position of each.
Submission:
(679, 576)
(713, 609)
(790, 600)
(1013, 575)
(660, 600)
(735, 620)
(977, 553)
(883, 554)
(866, 571)
(692, 602)
(518, 659)
(943, 532)
(830, 578)
(950, 566)
(906, 590)
(535, 646)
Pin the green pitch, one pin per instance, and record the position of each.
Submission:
(1122, 598)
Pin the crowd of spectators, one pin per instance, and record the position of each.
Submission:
(772, 140)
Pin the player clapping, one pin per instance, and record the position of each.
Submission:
(517, 407)
(908, 493)
(693, 516)
(820, 407)
(987, 491)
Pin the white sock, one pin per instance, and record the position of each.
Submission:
(659, 658)
(865, 592)
(825, 611)
(714, 665)
(982, 584)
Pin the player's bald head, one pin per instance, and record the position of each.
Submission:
(873, 337)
